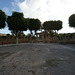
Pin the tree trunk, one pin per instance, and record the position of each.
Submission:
(55, 32)
(36, 36)
(31, 33)
(17, 37)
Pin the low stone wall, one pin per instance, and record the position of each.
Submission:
(47, 39)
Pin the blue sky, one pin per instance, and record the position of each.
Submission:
(41, 9)
(8, 6)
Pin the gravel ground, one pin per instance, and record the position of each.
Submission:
(37, 59)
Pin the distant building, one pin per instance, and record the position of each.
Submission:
(3, 34)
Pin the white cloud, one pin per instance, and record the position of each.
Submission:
(15, 4)
(34, 8)
(5, 31)
(49, 10)
(6, 10)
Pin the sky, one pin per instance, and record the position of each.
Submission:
(45, 10)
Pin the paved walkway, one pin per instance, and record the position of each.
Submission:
(37, 59)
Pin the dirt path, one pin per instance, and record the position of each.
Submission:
(37, 59)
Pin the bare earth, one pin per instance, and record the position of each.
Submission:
(37, 59)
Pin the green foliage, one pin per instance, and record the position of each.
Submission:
(21, 34)
(72, 20)
(52, 25)
(60, 34)
(47, 25)
(2, 19)
(69, 35)
(58, 25)
(34, 24)
(13, 32)
(28, 35)
(51, 33)
(65, 35)
(17, 22)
